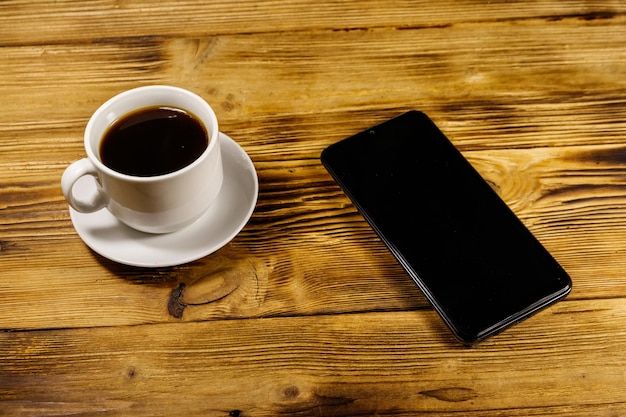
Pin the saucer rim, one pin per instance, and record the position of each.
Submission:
(234, 154)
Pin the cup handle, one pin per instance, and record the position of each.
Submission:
(86, 204)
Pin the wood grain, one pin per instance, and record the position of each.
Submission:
(305, 312)
(385, 363)
(116, 18)
(292, 254)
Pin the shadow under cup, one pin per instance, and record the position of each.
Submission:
(159, 203)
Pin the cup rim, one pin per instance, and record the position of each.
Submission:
(213, 134)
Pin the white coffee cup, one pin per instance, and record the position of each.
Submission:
(155, 204)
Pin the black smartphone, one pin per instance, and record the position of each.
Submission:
(474, 260)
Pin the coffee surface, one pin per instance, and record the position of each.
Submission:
(153, 141)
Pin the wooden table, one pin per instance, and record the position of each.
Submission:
(305, 312)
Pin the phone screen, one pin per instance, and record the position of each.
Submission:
(473, 259)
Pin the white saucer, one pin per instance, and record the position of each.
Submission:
(230, 212)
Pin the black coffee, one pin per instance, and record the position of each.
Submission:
(153, 141)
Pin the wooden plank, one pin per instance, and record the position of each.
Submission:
(291, 258)
(52, 21)
(389, 363)
(487, 84)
